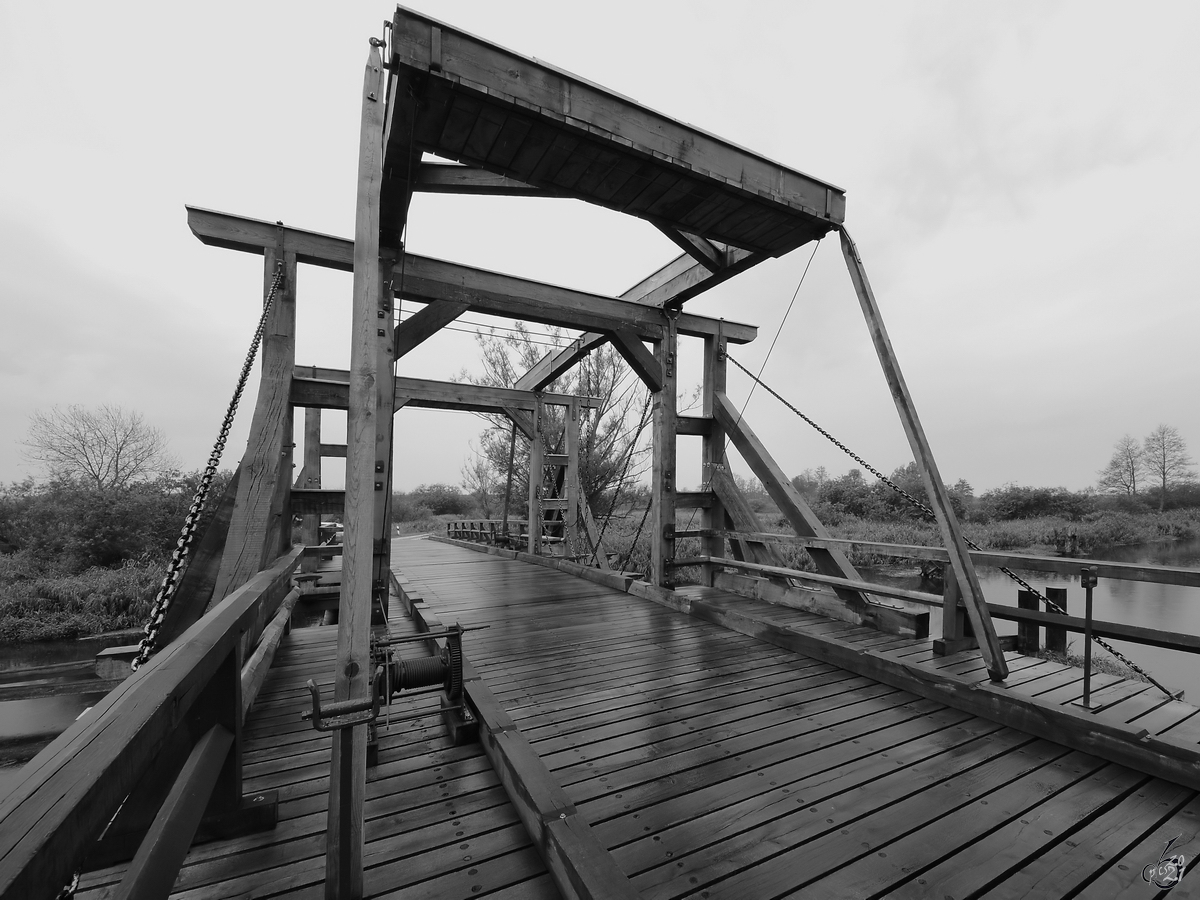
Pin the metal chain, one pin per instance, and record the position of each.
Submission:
(925, 510)
(171, 580)
(638, 534)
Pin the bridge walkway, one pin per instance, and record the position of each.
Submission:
(714, 765)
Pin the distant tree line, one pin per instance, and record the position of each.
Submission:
(1157, 466)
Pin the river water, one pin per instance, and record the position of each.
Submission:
(1163, 606)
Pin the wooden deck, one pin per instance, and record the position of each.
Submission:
(708, 762)
(715, 765)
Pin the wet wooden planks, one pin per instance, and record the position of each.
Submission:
(715, 765)
(438, 822)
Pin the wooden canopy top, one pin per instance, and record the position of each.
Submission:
(522, 119)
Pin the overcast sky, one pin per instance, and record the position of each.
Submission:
(1020, 177)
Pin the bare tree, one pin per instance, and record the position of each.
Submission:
(1166, 459)
(480, 482)
(107, 447)
(607, 432)
(1120, 476)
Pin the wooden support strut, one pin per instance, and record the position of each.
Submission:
(348, 769)
(662, 540)
(960, 559)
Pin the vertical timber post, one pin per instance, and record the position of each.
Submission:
(384, 425)
(1056, 637)
(662, 541)
(535, 478)
(713, 518)
(310, 479)
(571, 515)
(260, 527)
(348, 771)
(960, 559)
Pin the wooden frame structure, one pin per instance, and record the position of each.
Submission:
(510, 125)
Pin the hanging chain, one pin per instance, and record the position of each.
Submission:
(928, 513)
(638, 534)
(171, 580)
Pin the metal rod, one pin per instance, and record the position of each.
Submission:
(1088, 579)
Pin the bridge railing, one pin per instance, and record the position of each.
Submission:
(952, 612)
(157, 754)
(489, 531)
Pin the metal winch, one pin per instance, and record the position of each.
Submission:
(393, 675)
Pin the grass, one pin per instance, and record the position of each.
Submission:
(40, 606)
(1100, 663)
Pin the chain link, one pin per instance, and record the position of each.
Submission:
(928, 513)
(175, 568)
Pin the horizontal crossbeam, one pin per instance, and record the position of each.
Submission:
(487, 292)
(322, 388)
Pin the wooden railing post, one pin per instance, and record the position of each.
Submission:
(1028, 633)
(663, 487)
(1056, 638)
(571, 514)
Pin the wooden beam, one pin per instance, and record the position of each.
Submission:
(669, 286)
(712, 449)
(310, 479)
(333, 451)
(785, 495)
(960, 560)
(607, 118)
(385, 423)
(425, 324)
(260, 527)
(327, 389)
(534, 511)
(700, 249)
(735, 505)
(348, 769)
(571, 479)
(522, 419)
(156, 864)
(641, 360)
(443, 178)
(663, 486)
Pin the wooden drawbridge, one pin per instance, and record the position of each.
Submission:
(765, 733)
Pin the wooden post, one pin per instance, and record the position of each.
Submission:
(662, 539)
(384, 425)
(261, 524)
(954, 624)
(348, 769)
(1028, 637)
(1056, 638)
(310, 479)
(713, 450)
(536, 449)
(571, 515)
(960, 559)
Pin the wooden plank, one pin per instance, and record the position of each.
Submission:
(571, 477)
(700, 249)
(310, 479)
(533, 511)
(343, 859)
(254, 671)
(260, 524)
(935, 489)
